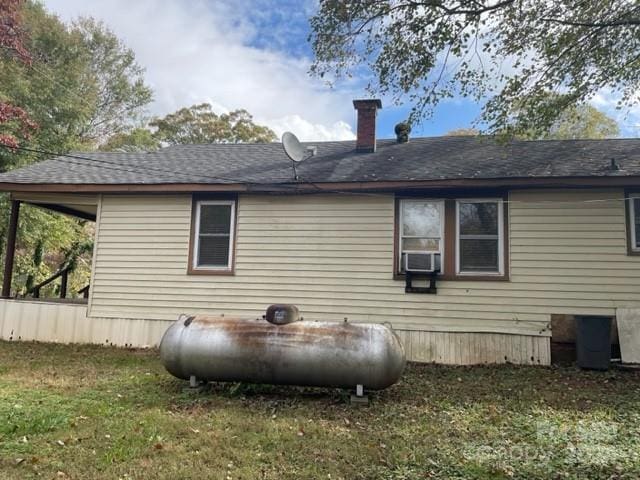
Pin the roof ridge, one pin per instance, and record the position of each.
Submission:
(423, 159)
(525, 140)
(254, 143)
(412, 139)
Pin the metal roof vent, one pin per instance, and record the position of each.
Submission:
(403, 129)
(613, 166)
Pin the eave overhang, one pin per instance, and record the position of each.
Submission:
(328, 187)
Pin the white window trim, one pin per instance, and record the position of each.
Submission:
(632, 222)
(500, 203)
(440, 203)
(196, 239)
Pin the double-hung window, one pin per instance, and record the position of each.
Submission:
(421, 230)
(479, 242)
(213, 236)
(634, 222)
(460, 239)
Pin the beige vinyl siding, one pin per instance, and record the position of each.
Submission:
(332, 255)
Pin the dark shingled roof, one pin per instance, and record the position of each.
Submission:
(422, 159)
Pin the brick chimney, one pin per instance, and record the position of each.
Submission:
(366, 135)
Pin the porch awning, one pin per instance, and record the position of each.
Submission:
(79, 205)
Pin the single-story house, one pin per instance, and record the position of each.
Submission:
(518, 233)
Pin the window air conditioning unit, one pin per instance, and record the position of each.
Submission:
(420, 262)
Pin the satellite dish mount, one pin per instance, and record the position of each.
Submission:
(296, 151)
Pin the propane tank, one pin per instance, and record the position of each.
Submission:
(305, 353)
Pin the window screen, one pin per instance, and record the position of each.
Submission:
(479, 237)
(420, 229)
(214, 235)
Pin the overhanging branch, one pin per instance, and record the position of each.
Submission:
(594, 24)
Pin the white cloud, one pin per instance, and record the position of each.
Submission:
(308, 132)
(628, 117)
(200, 51)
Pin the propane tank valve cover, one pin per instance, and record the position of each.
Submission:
(281, 314)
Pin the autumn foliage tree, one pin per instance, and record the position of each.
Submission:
(81, 84)
(10, 31)
(14, 121)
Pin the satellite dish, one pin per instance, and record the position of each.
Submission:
(294, 149)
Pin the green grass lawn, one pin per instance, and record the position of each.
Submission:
(94, 412)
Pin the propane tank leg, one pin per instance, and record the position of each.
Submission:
(195, 385)
(359, 398)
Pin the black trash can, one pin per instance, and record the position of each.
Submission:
(593, 341)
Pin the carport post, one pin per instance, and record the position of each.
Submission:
(11, 249)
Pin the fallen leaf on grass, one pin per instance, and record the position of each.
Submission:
(158, 446)
(18, 461)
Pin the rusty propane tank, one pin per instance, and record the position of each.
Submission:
(321, 354)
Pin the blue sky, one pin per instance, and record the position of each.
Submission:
(286, 28)
(254, 54)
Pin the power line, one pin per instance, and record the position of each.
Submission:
(292, 187)
(121, 167)
(73, 93)
(54, 80)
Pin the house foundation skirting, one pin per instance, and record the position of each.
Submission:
(68, 323)
(460, 348)
(23, 320)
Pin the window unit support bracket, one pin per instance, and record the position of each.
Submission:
(430, 278)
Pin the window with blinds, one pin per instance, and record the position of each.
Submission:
(214, 235)
(479, 242)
